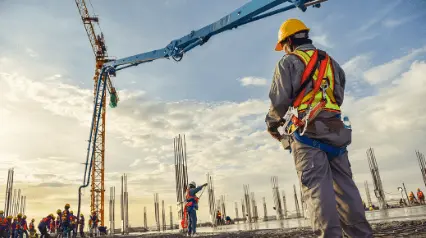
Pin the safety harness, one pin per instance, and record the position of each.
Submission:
(292, 122)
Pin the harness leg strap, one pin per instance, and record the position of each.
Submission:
(331, 151)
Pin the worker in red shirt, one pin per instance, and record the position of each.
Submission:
(420, 196)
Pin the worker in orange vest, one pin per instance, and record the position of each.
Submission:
(420, 196)
(306, 94)
(191, 206)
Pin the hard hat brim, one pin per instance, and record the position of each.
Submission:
(279, 47)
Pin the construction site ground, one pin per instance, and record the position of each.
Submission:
(416, 228)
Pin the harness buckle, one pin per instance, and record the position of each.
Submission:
(289, 126)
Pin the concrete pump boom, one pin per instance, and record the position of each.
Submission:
(250, 12)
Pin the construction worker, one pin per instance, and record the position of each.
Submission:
(8, 226)
(412, 199)
(32, 230)
(191, 206)
(66, 227)
(309, 110)
(73, 224)
(44, 225)
(420, 196)
(24, 225)
(81, 225)
(218, 218)
(3, 222)
(93, 223)
(58, 221)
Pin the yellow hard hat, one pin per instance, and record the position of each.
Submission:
(25, 217)
(9, 217)
(19, 215)
(33, 220)
(81, 215)
(1, 212)
(288, 28)
(71, 212)
(58, 211)
(67, 205)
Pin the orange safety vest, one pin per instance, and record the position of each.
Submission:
(420, 194)
(325, 72)
(31, 226)
(191, 199)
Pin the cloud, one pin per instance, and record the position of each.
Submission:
(135, 163)
(253, 81)
(392, 69)
(322, 40)
(394, 22)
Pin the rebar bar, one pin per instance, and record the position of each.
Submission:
(422, 165)
(285, 211)
(171, 218)
(367, 193)
(212, 205)
(8, 195)
(163, 215)
(378, 186)
(181, 172)
(236, 213)
(276, 197)
(157, 211)
(296, 202)
(254, 207)
(265, 212)
(145, 219)
(247, 202)
(243, 209)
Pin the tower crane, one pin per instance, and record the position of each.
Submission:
(250, 12)
(98, 160)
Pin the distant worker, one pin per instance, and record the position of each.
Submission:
(58, 221)
(228, 220)
(24, 225)
(73, 224)
(191, 206)
(66, 227)
(93, 223)
(8, 226)
(420, 196)
(44, 225)
(218, 218)
(81, 225)
(3, 224)
(306, 94)
(31, 229)
(411, 198)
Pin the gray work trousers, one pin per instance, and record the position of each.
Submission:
(331, 196)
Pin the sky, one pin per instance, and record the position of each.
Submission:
(217, 96)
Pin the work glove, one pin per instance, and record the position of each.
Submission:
(205, 184)
(274, 133)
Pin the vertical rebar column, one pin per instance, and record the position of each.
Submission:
(277, 198)
(254, 207)
(378, 186)
(13, 212)
(212, 205)
(112, 210)
(122, 205)
(223, 207)
(163, 215)
(25, 205)
(367, 193)
(171, 218)
(8, 195)
(157, 211)
(247, 202)
(285, 211)
(17, 202)
(243, 209)
(126, 200)
(145, 219)
(302, 203)
(236, 213)
(296, 202)
(422, 165)
(265, 212)
(181, 172)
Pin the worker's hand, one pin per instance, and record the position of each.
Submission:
(205, 184)
(274, 133)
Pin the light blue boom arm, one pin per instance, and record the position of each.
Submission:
(252, 11)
